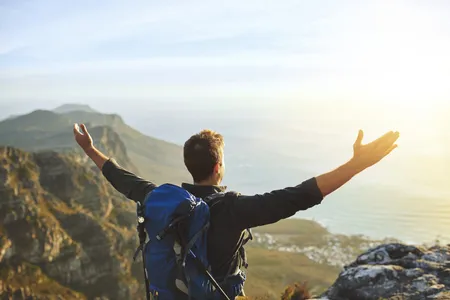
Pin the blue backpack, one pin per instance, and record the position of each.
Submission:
(175, 254)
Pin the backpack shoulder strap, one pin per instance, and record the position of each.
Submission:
(142, 237)
(216, 198)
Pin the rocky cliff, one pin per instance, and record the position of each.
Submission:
(395, 272)
(64, 231)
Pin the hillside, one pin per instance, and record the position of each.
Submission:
(64, 229)
(39, 130)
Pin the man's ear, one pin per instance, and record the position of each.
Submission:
(216, 168)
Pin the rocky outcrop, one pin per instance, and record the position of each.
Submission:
(63, 229)
(395, 271)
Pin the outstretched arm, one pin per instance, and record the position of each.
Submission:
(125, 182)
(364, 156)
(258, 210)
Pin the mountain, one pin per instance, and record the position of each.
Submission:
(74, 107)
(12, 116)
(39, 130)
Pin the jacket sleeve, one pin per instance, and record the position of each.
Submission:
(125, 182)
(267, 208)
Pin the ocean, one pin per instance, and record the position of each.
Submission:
(405, 196)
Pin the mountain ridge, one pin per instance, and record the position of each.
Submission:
(68, 107)
(155, 159)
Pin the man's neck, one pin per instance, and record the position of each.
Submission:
(207, 183)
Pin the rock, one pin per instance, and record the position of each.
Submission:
(395, 271)
(63, 229)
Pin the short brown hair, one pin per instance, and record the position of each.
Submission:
(202, 152)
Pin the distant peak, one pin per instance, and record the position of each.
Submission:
(65, 108)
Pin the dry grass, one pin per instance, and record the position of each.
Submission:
(272, 271)
(297, 291)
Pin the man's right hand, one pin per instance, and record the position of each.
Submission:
(83, 138)
(367, 155)
(364, 156)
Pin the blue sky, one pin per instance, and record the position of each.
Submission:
(313, 50)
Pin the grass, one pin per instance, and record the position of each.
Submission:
(271, 271)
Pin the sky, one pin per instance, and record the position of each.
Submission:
(366, 51)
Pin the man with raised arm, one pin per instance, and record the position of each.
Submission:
(204, 159)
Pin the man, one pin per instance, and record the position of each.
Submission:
(204, 159)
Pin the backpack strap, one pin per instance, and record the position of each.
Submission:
(142, 238)
(184, 251)
(216, 198)
(242, 249)
(187, 248)
(242, 256)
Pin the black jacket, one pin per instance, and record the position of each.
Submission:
(228, 218)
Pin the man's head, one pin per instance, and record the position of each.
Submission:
(204, 158)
